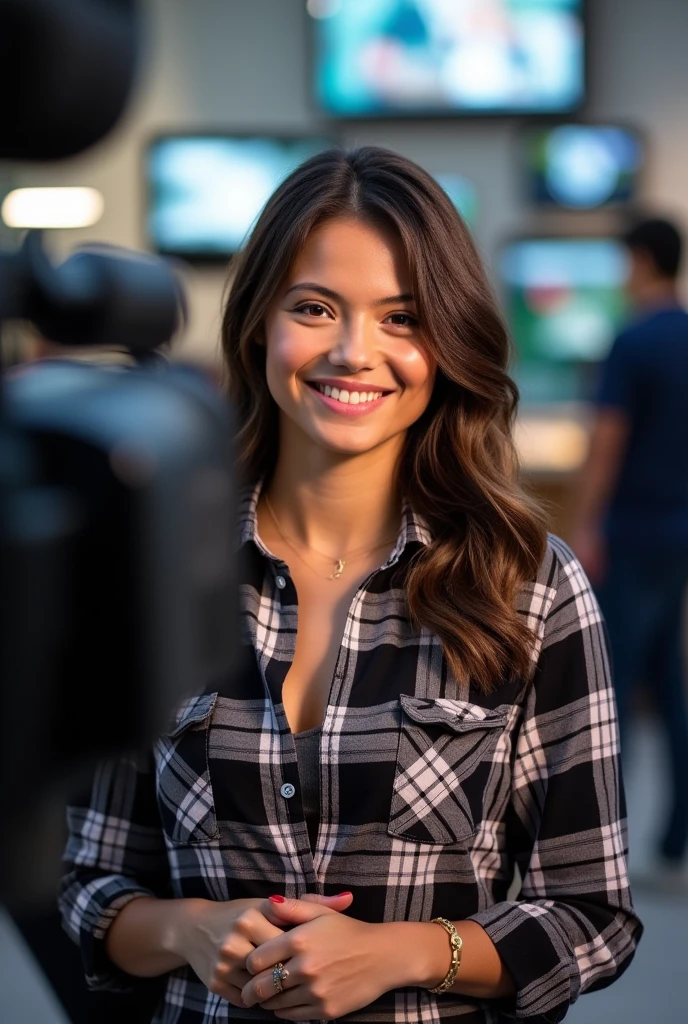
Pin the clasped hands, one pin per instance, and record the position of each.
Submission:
(335, 963)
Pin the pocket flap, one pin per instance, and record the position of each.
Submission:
(458, 715)
(191, 712)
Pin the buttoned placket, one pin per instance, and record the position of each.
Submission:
(288, 792)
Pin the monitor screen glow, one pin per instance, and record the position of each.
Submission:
(205, 192)
(414, 57)
(565, 301)
(583, 166)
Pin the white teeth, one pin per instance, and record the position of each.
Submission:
(348, 397)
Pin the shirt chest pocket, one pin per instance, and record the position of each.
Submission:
(185, 794)
(446, 755)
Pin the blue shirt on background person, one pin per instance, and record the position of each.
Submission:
(646, 378)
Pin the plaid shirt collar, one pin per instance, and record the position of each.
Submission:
(413, 528)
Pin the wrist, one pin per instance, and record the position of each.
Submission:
(412, 954)
(182, 917)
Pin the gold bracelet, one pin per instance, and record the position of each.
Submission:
(456, 945)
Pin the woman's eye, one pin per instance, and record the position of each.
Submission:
(402, 320)
(313, 309)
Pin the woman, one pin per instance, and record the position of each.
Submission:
(426, 707)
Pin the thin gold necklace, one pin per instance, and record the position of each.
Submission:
(340, 563)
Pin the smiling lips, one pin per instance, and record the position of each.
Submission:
(346, 400)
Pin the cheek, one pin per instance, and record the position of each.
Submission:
(289, 349)
(415, 367)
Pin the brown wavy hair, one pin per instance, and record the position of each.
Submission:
(458, 469)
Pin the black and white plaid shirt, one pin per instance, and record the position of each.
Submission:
(431, 794)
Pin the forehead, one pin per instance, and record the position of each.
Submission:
(347, 253)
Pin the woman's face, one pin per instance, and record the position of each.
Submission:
(346, 362)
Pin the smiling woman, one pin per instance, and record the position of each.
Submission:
(425, 707)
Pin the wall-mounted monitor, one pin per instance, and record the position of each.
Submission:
(582, 166)
(205, 191)
(385, 58)
(564, 302)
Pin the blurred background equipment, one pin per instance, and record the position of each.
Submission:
(116, 493)
(564, 300)
(582, 166)
(116, 519)
(205, 191)
(69, 68)
(399, 57)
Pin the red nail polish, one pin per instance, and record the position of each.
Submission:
(347, 893)
(277, 899)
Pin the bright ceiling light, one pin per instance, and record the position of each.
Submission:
(52, 207)
(323, 8)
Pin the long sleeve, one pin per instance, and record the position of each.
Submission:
(572, 928)
(115, 853)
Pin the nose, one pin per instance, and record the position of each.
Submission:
(355, 347)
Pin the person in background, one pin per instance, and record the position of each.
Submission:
(631, 531)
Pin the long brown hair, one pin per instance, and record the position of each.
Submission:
(459, 467)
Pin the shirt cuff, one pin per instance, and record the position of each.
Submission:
(534, 950)
(87, 919)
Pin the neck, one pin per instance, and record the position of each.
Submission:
(661, 292)
(336, 504)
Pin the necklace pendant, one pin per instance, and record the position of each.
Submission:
(339, 569)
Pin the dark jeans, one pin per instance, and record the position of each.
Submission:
(642, 602)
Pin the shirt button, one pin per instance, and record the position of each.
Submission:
(287, 791)
(280, 582)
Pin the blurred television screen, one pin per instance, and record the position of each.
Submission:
(463, 195)
(206, 191)
(564, 302)
(582, 166)
(411, 57)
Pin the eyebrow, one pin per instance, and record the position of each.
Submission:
(328, 293)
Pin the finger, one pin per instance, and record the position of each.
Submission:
(342, 901)
(282, 912)
(237, 977)
(229, 980)
(290, 997)
(233, 995)
(226, 990)
(250, 929)
(261, 989)
(270, 953)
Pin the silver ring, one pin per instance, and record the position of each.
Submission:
(279, 976)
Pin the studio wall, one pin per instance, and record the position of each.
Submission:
(243, 64)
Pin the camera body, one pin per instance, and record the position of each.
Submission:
(117, 572)
(117, 511)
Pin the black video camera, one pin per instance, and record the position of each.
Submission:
(116, 488)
